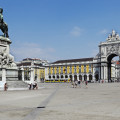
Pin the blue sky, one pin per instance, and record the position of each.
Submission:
(59, 29)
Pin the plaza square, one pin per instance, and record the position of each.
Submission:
(59, 60)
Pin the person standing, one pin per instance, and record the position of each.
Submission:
(30, 85)
(76, 82)
(5, 87)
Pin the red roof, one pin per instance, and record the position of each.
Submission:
(117, 62)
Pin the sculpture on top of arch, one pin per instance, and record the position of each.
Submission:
(113, 36)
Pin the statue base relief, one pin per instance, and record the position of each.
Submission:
(8, 68)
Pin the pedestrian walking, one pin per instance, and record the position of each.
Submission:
(30, 86)
(36, 86)
(86, 83)
(76, 82)
(72, 83)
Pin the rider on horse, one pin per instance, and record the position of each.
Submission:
(3, 25)
(1, 16)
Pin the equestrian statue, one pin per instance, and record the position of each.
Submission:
(3, 25)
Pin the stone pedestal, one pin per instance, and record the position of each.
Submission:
(8, 68)
(5, 44)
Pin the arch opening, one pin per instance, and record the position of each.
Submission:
(96, 77)
(85, 77)
(57, 76)
(80, 77)
(90, 78)
(71, 77)
(111, 62)
(110, 57)
(62, 76)
(75, 77)
(66, 76)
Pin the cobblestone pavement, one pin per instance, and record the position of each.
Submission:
(59, 101)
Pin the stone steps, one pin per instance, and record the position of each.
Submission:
(54, 85)
(17, 84)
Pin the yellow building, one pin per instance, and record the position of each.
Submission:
(66, 70)
(31, 70)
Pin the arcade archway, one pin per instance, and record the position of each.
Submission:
(85, 77)
(71, 77)
(66, 76)
(75, 77)
(96, 77)
(90, 78)
(57, 76)
(109, 62)
(80, 77)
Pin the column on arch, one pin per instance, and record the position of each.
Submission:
(105, 73)
(102, 72)
(93, 76)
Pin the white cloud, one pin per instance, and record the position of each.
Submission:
(76, 31)
(31, 50)
(104, 31)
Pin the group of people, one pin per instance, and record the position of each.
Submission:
(33, 86)
(76, 83)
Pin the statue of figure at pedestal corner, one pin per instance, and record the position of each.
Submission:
(6, 59)
(10, 61)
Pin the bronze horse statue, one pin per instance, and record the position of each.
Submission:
(3, 25)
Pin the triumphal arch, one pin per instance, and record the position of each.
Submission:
(103, 60)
